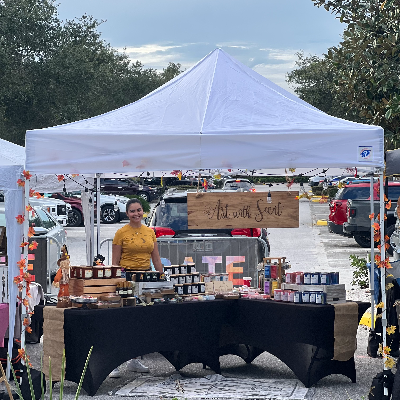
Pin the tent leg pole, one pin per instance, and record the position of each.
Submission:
(372, 262)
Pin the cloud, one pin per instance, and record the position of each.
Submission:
(273, 63)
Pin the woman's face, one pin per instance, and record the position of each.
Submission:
(135, 212)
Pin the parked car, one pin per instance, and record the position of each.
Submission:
(238, 185)
(318, 179)
(58, 209)
(360, 191)
(169, 219)
(112, 208)
(123, 187)
(177, 243)
(50, 235)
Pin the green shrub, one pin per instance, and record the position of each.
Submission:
(330, 191)
(317, 190)
(360, 274)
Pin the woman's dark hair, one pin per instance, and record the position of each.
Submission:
(131, 201)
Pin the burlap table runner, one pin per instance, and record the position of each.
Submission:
(345, 330)
(53, 341)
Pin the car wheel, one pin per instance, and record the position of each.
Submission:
(363, 239)
(144, 195)
(74, 218)
(108, 215)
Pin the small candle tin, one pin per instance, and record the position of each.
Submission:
(174, 279)
(107, 272)
(297, 297)
(334, 278)
(312, 297)
(305, 297)
(291, 296)
(278, 294)
(188, 278)
(315, 278)
(202, 287)
(320, 298)
(195, 288)
(179, 289)
(299, 278)
(325, 278)
(284, 295)
(196, 277)
(183, 269)
(267, 271)
(86, 272)
(307, 278)
(191, 268)
(181, 279)
(98, 272)
(187, 288)
(169, 270)
(116, 271)
(206, 278)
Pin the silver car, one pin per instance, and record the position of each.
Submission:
(50, 236)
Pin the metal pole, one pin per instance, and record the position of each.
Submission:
(383, 270)
(98, 211)
(372, 274)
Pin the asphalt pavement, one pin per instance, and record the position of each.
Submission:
(307, 248)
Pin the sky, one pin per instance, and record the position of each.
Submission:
(265, 35)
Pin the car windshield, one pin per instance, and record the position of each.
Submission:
(39, 218)
(172, 215)
(353, 193)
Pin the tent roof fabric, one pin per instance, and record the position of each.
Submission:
(218, 114)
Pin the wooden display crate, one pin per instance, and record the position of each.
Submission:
(334, 293)
(93, 287)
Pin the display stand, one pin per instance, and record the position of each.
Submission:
(281, 260)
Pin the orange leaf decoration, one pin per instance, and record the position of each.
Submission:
(25, 302)
(27, 175)
(379, 247)
(28, 208)
(20, 219)
(376, 226)
(388, 205)
(38, 195)
(21, 352)
(26, 322)
(23, 244)
(385, 198)
(387, 238)
(29, 330)
(377, 258)
(18, 279)
(371, 216)
(387, 246)
(31, 231)
(21, 263)
(75, 175)
(33, 245)
(31, 192)
(60, 178)
(21, 183)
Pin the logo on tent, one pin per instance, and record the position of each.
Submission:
(364, 153)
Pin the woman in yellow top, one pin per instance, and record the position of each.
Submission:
(134, 244)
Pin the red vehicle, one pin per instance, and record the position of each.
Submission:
(353, 191)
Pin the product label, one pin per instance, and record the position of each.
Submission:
(88, 273)
(195, 289)
(315, 279)
(107, 273)
(307, 279)
(118, 273)
(100, 273)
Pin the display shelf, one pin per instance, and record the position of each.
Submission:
(280, 261)
(334, 293)
(93, 287)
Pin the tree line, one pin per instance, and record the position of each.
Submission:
(53, 72)
(359, 79)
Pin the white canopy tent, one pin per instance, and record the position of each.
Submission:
(219, 114)
(12, 161)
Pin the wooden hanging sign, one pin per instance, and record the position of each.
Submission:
(219, 210)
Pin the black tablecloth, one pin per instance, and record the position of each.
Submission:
(301, 335)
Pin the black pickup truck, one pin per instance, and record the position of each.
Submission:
(358, 222)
